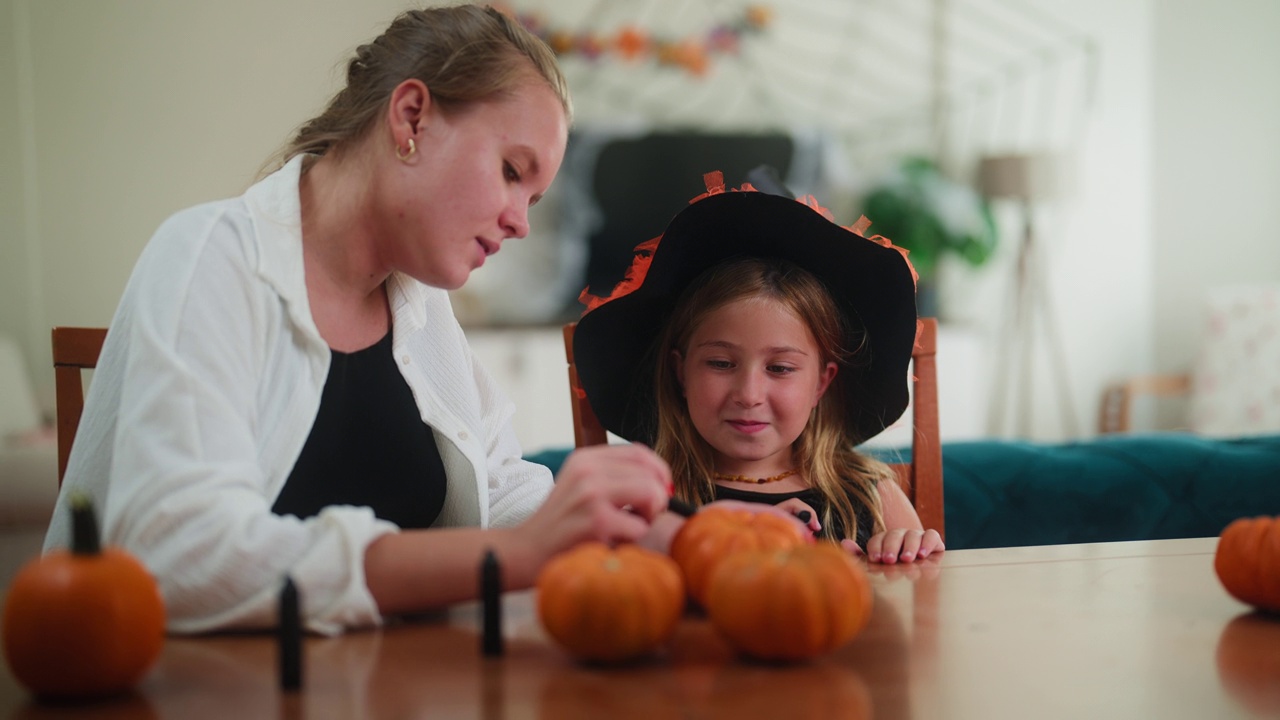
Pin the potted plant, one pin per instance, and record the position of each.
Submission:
(920, 209)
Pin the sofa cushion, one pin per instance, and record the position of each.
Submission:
(1113, 488)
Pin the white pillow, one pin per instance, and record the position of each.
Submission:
(1235, 388)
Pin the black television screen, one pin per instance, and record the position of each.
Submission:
(639, 183)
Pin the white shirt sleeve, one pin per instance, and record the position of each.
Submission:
(188, 491)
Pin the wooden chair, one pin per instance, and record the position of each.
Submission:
(74, 350)
(921, 479)
(1118, 398)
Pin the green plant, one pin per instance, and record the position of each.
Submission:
(923, 211)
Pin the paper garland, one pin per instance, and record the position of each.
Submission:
(634, 44)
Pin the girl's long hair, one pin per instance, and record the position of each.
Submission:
(824, 452)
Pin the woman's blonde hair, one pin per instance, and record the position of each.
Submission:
(464, 55)
(824, 452)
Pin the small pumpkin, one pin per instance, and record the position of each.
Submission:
(713, 533)
(83, 622)
(1247, 561)
(789, 604)
(610, 604)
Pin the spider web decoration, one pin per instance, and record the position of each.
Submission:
(855, 85)
(952, 79)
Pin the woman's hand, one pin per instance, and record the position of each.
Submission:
(609, 493)
(605, 493)
(903, 545)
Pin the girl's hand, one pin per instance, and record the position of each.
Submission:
(795, 506)
(609, 493)
(903, 545)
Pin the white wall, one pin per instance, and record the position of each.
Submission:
(114, 114)
(16, 312)
(1216, 174)
(135, 110)
(1095, 240)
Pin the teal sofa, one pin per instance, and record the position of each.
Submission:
(1001, 493)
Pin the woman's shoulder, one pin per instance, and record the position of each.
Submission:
(214, 258)
(209, 240)
(252, 227)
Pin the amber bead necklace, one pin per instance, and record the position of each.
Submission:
(757, 481)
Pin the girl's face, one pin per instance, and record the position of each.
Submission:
(751, 375)
(470, 187)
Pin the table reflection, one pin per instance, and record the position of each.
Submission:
(1248, 660)
(1136, 629)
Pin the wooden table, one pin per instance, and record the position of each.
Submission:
(1124, 630)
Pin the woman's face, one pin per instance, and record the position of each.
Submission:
(751, 375)
(470, 184)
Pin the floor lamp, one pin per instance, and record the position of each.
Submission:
(1025, 179)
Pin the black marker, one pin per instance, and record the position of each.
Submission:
(491, 598)
(680, 507)
(289, 635)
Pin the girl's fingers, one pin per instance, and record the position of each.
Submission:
(910, 545)
(932, 543)
(875, 546)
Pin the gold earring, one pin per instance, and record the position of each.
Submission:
(405, 157)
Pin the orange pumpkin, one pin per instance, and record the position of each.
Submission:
(85, 622)
(610, 604)
(1248, 561)
(713, 533)
(789, 604)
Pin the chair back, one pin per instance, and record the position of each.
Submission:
(74, 349)
(920, 479)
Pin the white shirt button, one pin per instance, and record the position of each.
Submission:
(404, 359)
(462, 435)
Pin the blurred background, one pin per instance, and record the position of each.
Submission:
(1090, 189)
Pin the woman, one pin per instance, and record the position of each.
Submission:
(284, 389)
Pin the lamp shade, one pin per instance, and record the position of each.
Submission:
(1017, 177)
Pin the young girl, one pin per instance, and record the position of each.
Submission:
(755, 347)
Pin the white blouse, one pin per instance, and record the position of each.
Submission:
(204, 396)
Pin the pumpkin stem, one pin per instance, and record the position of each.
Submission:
(84, 526)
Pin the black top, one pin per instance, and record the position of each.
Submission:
(814, 499)
(368, 446)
